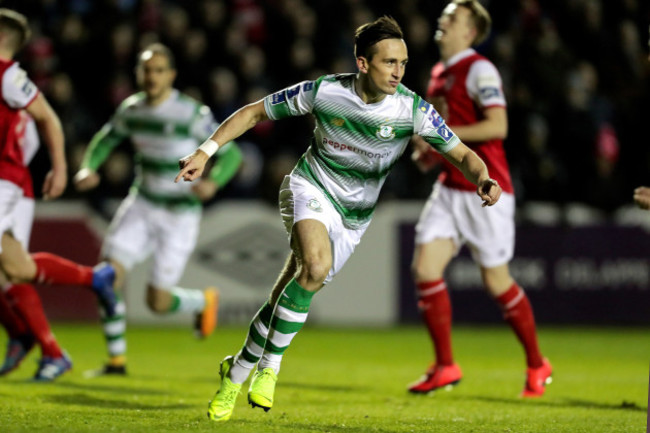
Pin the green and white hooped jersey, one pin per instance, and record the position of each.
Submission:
(355, 144)
(161, 135)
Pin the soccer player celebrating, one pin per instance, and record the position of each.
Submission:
(158, 216)
(16, 265)
(363, 124)
(465, 88)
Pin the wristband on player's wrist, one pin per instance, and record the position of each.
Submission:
(210, 147)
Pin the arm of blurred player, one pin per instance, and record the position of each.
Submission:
(642, 197)
(205, 189)
(424, 156)
(100, 147)
(493, 126)
(229, 159)
(191, 167)
(474, 169)
(49, 126)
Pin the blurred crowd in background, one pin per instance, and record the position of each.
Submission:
(576, 77)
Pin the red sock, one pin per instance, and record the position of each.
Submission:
(51, 269)
(435, 307)
(519, 314)
(11, 321)
(28, 305)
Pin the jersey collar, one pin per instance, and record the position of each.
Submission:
(459, 56)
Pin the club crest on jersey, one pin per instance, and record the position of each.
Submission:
(385, 132)
(314, 205)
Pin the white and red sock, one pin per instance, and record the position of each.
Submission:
(435, 307)
(519, 314)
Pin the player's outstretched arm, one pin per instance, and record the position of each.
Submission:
(49, 126)
(191, 167)
(97, 152)
(475, 170)
(642, 197)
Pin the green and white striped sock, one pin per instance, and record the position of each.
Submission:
(186, 299)
(253, 347)
(288, 318)
(115, 329)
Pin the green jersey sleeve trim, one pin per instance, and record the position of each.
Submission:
(229, 159)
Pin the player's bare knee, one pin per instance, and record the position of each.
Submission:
(421, 273)
(158, 301)
(315, 270)
(418, 272)
(496, 280)
(17, 273)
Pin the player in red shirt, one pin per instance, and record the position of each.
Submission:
(465, 88)
(21, 311)
(17, 92)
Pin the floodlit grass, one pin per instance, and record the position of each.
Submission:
(341, 380)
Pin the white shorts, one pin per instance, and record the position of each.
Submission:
(141, 228)
(24, 220)
(454, 214)
(10, 195)
(300, 200)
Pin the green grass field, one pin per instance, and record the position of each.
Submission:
(341, 380)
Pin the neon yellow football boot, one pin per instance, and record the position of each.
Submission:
(221, 406)
(260, 393)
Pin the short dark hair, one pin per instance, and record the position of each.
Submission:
(158, 48)
(480, 16)
(369, 34)
(16, 24)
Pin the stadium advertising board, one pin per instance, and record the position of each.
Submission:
(596, 274)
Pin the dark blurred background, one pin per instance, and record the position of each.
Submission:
(576, 77)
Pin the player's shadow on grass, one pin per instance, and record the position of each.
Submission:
(292, 385)
(304, 427)
(89, 400)
(94, 386)
(561, 402)
(321, 387)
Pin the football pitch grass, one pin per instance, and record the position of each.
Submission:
(340, 380)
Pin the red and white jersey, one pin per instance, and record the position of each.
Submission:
(460, 90)
(16, 93)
